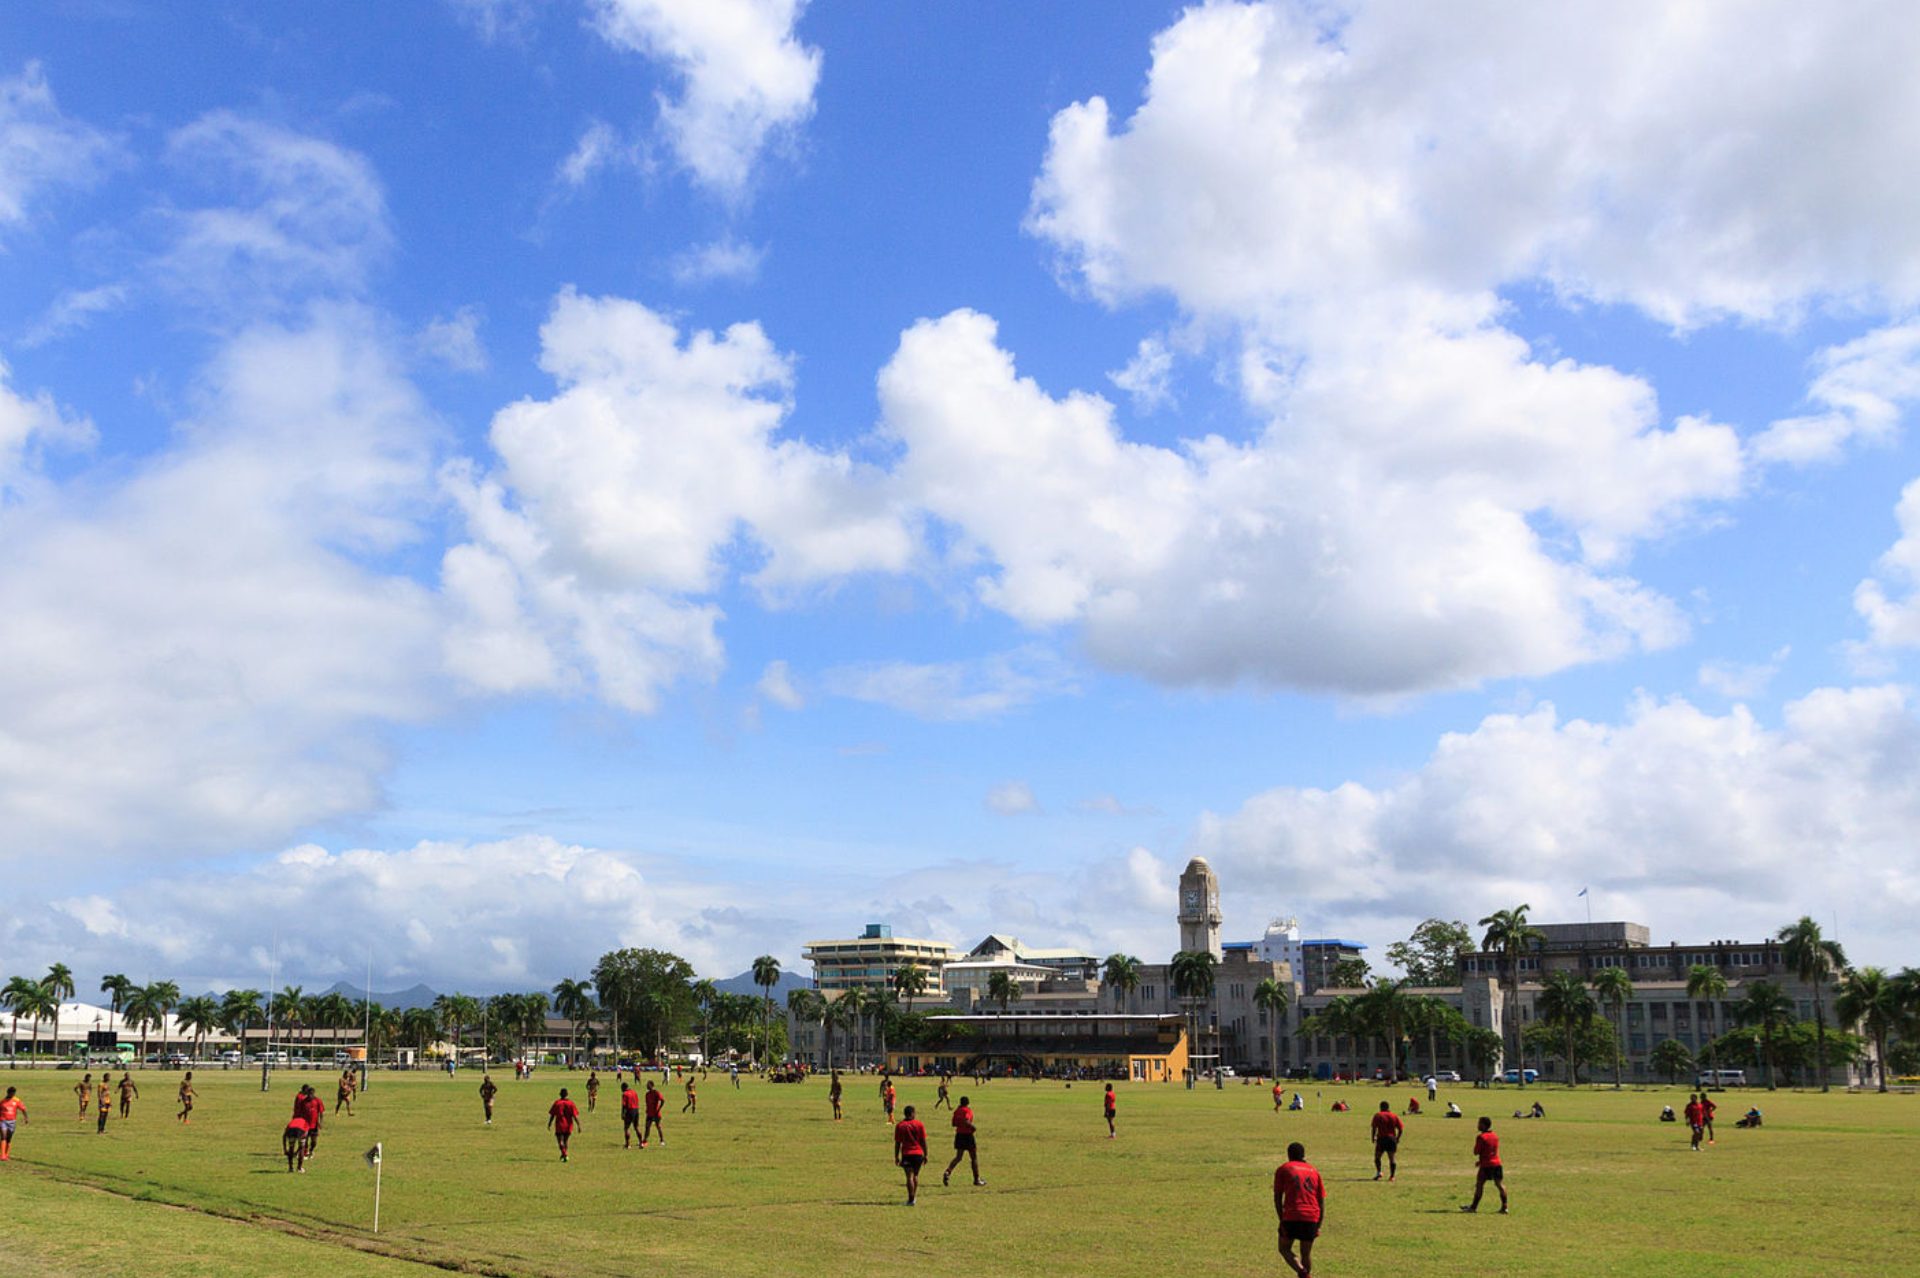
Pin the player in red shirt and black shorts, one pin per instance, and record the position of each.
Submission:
(563, 1116)
(1696, 1121)
(1107, 1106)
(1486, 1156)
(629, 1114)
(963, 1142)
(1300, 1200)
(656, 1106)
(293, 1142)
(1386, 1140)
(910, 1151)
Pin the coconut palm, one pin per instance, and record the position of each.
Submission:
(59, 983)
(1614, 987)
(115, 986)
(164, 994)
(238, 1010)
(419, 1026)
(1192, 975)
(283, 1009)
(1003, 989)
(1816, 961)
(1706, 983)
(880, 1004)
(1767, 1006)
(853, 1008)
(199, 1016)
(143, 1010)
(27, 997)
(1271, 997)
(573, 999)
(766, 974)
(1870, 999)
(805, 1005)
(1337, 1020)
(1510, 935)
(910, 982)
(1385, 1010)
(1122, 972)
(1565, 1002)
(1435, 1018)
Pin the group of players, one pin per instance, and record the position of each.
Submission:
(302, 1134)
(101, 1095)
(1300, 1195)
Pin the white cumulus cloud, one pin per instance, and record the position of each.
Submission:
(745, 77)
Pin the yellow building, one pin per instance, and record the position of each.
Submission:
(1149, 1048)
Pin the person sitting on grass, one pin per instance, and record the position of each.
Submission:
(1453, 1110)
(1750, 1119)
(1667, 1115)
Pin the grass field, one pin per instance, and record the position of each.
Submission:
(761, 1181)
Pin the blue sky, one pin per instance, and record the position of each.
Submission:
(491, 481)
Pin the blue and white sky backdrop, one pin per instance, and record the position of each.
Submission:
(488, 481)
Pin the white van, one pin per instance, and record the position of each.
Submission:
(1721, 1078)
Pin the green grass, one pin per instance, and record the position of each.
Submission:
(763, 1182)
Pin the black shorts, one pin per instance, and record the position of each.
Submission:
(913, 1162)
(631, 1117)
(1301, 1230)
(1495, 1173)
(1386, 1145)
(963, 1142)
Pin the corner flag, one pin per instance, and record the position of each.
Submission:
(373, 1160)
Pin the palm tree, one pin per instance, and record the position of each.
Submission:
(853, 1007)
(59, 983)
(199, 1016)
(164, 995)
(1192, 974)
(1816, 961)
(766, 974)
(287, 1005)
(1871, 1000)
(804, 1005)
(1003, 989)
(1565, 1002)
(115, 986)
(142, 1009)
(1479, 1045)
(1510, 935)
(1122, 972)
(1337, 1020)
(1271, 997)
(1767, 1006)
(419, 1025)
(1706, 983)
(879, 1002)
(574, 1000)
(909, 983)
(1435, 1018)
(1385, 1009)
(27, 997)
(238, 1010)
(1615, 987)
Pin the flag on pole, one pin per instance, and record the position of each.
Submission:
(373, 1155)
(1582, 892)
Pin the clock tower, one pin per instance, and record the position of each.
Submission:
(1200, 908)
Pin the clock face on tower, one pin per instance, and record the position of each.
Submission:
(1193, 898)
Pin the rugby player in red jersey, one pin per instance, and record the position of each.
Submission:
(910, 1150)
(629, 1114)
(656, 1106)
(293, 1142)
(1279, 1096)
(314, 1110)
(1300, 1200)
(963, 1142)
(563, 1116)
(12, 1110)
(1696, 1121)
(1108, 1106)
(1486, 1157)
(1386, 1140)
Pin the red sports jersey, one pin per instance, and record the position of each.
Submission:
(565, 1115)
(298, 1124)
(656, 1102)
(1387, 1126)
(963, 1120)
(10, 1108)
(1299, 1192)
(629, 1099)
(1696, 1114)
(1112, 1102)
(910, 1138)
(1486, 1148)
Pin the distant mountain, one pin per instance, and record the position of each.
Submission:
(743, 984)
(398, 1000)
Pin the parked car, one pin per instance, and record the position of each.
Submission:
(1721, 1078)
(179, 1060)
(1447, 1076)
(1515, 1076)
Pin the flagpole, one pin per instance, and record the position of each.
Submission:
(377, 1166)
